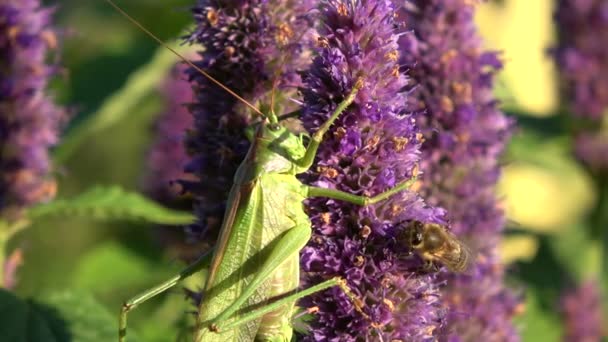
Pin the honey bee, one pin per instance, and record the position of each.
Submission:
(434, 243)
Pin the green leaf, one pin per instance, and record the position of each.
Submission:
(60, 317)
(88, 320)
(577, 252)
(111, 265)
(538, 323)
(111, 203)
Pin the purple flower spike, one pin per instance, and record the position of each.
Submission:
(582, 313)
(29, 120)
(167, 156)
(373, 146)
(582, 58)
(465, 134)
(582, 55)
(251, 46)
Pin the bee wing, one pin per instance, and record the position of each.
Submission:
(457, 257)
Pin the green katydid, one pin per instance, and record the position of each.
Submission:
(253, 274)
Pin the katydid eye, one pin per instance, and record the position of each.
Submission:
(274, 127)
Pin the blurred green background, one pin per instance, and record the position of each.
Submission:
(546, 194)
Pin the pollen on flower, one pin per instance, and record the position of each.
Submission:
(400, 143)
(326, 218)
(395, 72)
(340, 132)
(392, 56)
(322, 42)
(212, 17)
(342, 10)
(365, 232)
(420, 137)
(446, 104)
(284, 34)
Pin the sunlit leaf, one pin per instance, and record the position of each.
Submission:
(544, 191)
(524, 49)
(518, 248)
(111, 203)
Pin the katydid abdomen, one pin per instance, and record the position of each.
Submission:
(257, 215)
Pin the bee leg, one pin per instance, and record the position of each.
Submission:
(430, 267)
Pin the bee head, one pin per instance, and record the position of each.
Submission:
(415, 234)
(424, 235)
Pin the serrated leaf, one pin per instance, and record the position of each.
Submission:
(88, 320)
(61, 317)
(111, 203)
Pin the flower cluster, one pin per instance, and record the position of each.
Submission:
(252, 47)
(372, 147)
(464, 134)
(167, 156)
(29, 120)
(582, 55)
(582, 313)
(582, 59)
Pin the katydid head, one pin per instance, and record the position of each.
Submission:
(279, 139)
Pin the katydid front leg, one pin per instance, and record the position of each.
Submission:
(134, 302)
(314, 191)
(311, 151)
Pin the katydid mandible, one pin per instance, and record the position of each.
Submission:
(253, 274)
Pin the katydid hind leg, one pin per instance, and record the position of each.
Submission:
(289, 243)
(291, 298)
(201, 263)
